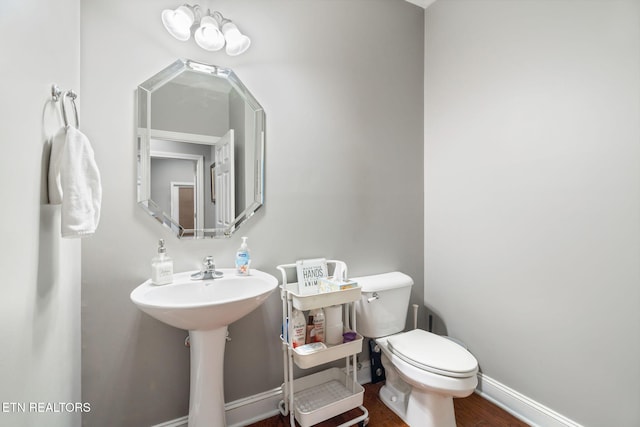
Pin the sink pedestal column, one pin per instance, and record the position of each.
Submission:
(206, 396)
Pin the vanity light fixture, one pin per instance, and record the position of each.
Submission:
(212, 30)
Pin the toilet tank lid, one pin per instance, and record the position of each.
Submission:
(384, 281)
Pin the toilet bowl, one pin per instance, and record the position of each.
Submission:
(424, 371)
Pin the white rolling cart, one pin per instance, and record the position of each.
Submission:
(317, 397)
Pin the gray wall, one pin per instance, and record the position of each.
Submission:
(40, 302)
(344, 160)
(532, 196)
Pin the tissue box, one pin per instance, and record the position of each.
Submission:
(329, 284)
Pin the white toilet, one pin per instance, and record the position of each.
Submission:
(424, 371)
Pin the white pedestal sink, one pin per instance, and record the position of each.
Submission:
(205, 308)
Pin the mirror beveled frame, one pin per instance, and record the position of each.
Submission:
(144, 135)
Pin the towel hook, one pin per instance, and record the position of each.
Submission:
(70, 94)
(55, 93)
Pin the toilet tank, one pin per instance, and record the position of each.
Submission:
(382, 308)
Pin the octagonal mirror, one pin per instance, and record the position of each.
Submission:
(200, 136)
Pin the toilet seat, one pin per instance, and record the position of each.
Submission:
(433, 353)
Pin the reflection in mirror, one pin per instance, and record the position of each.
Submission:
(200, 150)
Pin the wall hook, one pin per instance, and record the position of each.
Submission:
(55, 92)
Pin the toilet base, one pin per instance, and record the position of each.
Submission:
(419, 408)
(394, 400)
(415, 406)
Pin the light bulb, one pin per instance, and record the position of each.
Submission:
(208, 35)
(237, 42)
(178, 22)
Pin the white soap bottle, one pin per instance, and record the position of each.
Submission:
(243, 259)
(161, 266)
(318, 324)
(297, 328)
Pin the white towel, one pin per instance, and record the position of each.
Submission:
(74, 182)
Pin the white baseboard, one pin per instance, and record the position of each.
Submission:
(253, 408)
(364, 372)
(178, 422)
(261, 406)
(520, 406)
(244, 411)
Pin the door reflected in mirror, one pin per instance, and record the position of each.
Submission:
(200, 150)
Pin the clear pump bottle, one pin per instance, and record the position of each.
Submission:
(161, 266)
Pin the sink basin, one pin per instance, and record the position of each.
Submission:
(205, 308)
(204, 304)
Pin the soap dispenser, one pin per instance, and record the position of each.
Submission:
(243, 259)
(161, 266)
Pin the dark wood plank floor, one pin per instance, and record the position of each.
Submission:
(472, 411)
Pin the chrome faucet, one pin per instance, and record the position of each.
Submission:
(208, 271)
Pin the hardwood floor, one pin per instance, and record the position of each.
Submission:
(472, 411)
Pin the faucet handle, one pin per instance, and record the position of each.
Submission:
(208, 271)
(208, 263)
